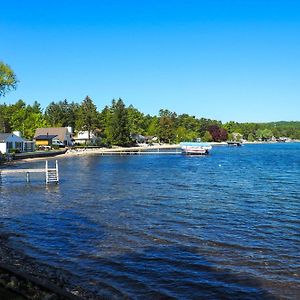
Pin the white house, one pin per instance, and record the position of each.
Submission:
(82, 137)
(10, 141)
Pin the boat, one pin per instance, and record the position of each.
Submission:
(193, 148)
(236, 144)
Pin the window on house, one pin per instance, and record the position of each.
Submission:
(9, 145)
(19, 146)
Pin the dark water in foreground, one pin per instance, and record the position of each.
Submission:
(153, 227)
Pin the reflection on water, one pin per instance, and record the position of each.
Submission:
(226, 225)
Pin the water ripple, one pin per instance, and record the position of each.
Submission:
(224, 226)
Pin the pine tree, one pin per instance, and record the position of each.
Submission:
(118, 128)
(88, 116)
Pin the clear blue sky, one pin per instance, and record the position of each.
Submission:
(226, 60)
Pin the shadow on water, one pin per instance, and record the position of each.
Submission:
(156, 272)
(160, 273)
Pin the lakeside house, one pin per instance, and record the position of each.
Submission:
(82, 137)
(54, 136)
(13, 141)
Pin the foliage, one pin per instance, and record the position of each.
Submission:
(167, 126)
(136, 120)
(21, 117)
(62, 114)
(8, 80)
(153, 126)
(117, 132)
(87, 116)
(207, 137)
(218, 134)
(264, 134)
(115, 123)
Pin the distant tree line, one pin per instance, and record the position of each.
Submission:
(116, 124)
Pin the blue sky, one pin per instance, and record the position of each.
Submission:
(226, 60)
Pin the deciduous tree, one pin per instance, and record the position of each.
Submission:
(8, 80)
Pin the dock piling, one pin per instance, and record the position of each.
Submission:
(27, 177)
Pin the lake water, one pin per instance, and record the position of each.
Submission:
(166, 226)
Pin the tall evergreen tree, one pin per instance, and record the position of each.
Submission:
(54, 114)
(118, 127)
(87, 116)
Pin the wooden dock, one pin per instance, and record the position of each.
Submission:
(51, 174)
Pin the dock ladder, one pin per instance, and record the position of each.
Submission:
(52, 175)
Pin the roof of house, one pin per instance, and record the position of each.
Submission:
(5, 136)
(60, 132)
(46, 137)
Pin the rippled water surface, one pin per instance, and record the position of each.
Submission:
(158, 226)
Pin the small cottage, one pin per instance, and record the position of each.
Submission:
(11, 141)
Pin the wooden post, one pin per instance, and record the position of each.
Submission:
(46, 170)
(56, 167)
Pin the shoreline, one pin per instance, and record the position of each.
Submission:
(91, 151)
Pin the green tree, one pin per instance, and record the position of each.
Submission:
(104, 119)
(118, 125)
(8, 80)
(72, 114)
(264, 134)
(4, 118)
(62, 114)
(167, 126)
(54, 114)
(87, 116)
(23, 118)
(153, 126)
(207, 137)
(18, 116)
(251, 137)
(205, 124)
(136, 121)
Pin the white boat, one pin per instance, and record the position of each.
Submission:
(192, 148)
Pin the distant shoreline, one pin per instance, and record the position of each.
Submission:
(90, 151)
